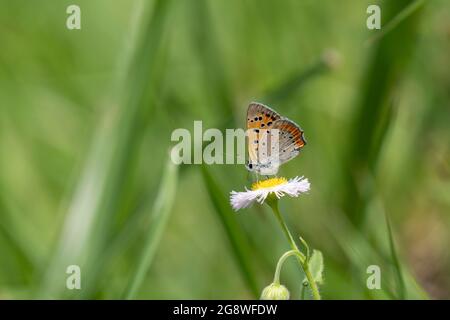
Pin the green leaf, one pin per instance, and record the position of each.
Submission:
(316, 267)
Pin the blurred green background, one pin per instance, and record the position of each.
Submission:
(86, 118)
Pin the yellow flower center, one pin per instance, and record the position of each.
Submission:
(268, 183)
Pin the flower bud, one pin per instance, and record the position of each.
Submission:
(275, 291)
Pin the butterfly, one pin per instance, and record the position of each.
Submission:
(272, 139)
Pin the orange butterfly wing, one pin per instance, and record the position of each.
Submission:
(259, 117)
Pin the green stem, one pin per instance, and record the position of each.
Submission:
(302, 291)
(312, 283)
(301, 257)
(273, 203)
(284, 227)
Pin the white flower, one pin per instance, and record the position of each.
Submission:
(261, 189)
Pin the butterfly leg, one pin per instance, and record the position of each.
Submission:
(249, 176)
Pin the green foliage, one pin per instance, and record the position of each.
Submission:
(160, 215)
(316, 267)
(235, 234)
(86, 118)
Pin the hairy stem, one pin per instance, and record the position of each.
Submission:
(301, 257)
(273, 203)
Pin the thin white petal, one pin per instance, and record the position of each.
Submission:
(293, 188)
(240, 200)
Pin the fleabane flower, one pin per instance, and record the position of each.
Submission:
(275, 291)
(262, 189)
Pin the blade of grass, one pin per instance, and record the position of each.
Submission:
(239, 243)
(205, 44)
(360, 254)
(88, 225)
(13, 237)
(398, 270)
(394, 22)
(286, 89)
(374, 111)
(215, 78)
(160, 216)
(407, 286)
